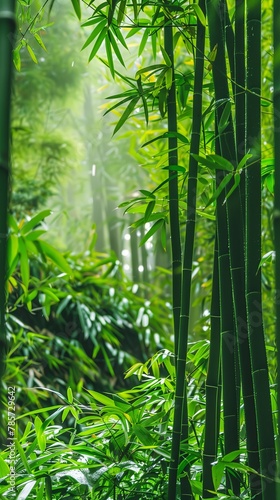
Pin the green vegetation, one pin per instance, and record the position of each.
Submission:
(140, 347)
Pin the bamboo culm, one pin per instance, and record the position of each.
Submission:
(7, 30)
(253, 254)
(180, 424)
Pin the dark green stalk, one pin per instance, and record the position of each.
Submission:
(7, 29)
(180, 423)
(230, 41)
(235, 224)
(173, 189)
(212, 388)
(230, 375)
(276, 77)
(239, 96)
(253, 254)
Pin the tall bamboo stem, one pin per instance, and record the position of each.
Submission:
(212, 388)
(180, 411)
(253, 254)
(7, 29)
(173, 189)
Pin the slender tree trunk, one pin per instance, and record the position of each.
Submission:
(7, 30)
(253, 254)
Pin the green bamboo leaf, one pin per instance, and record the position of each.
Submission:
(98, 43)
(132, 370)
(95, 32)
(17, 58)
(24, 494)
(159, 81)
(77, 8)
(199, 13)
(145, 105)
(147, 193)
(121, 12)
(143, 435)
(55, 256)
(35, 221)
(219, 190)
(119, 35)
(12, 249)
(23, 458)
(116, 48)
(133, 32)
(243, 161)
(175, 168)
(236, 183)
(109, 56)
(126, 114)
(149, 210)
(101, 398)
(169, 78)
(120, 103)
(70, 395)
(167, 135)
(165, 56)
(92, 20)
(39, 41)
(34, 235)
(214, 162)
(206, 215)
(223, 163)
(4, 468)
(224, 120)
(31, 53)
(24, 262)
(149, 69)
(155, 227)
(143, 41)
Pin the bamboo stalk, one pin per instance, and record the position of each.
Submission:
(253, 254)
(175, 237)
(276, 98)
(7, 29)
(212, 387)
(180, 423)
(230, 373)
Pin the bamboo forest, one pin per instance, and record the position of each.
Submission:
(139, 249)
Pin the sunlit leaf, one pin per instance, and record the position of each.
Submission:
(28, 226)
(98, 43)
(155, 227)
(77, 8)
(126, 114)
